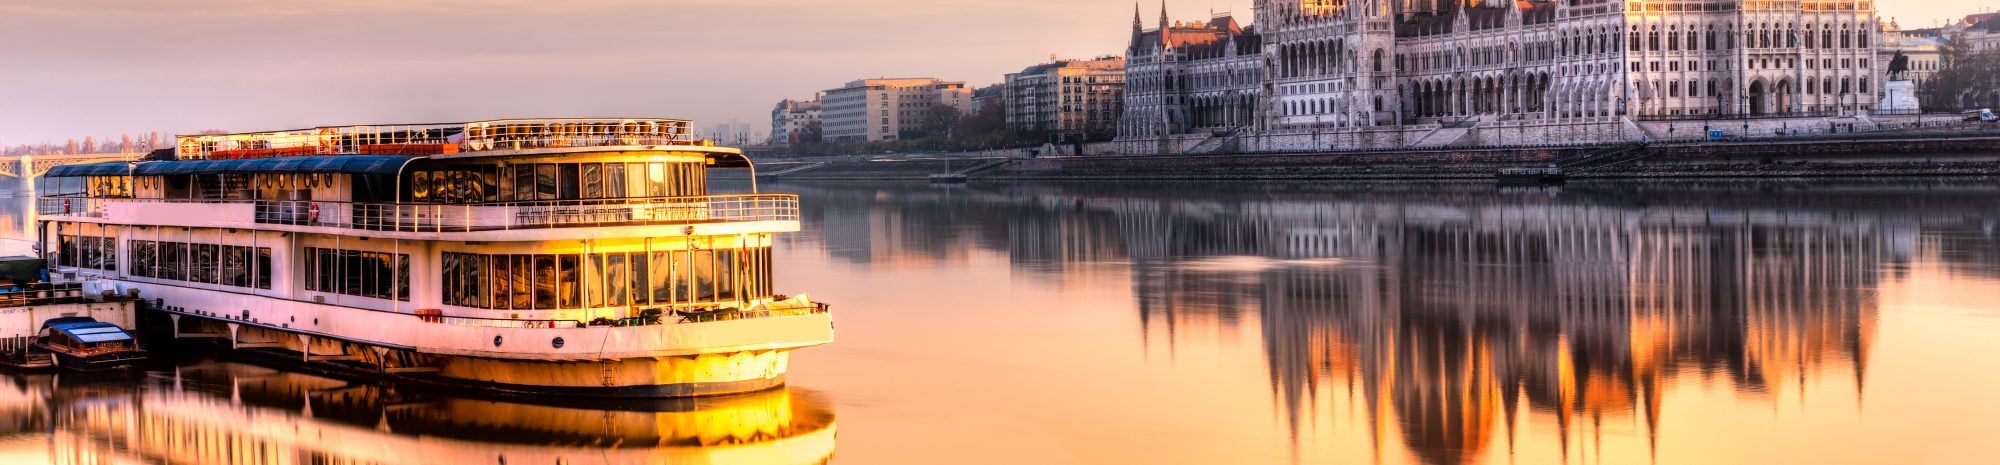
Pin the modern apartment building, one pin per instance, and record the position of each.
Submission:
(1067, 100)
(871, 110)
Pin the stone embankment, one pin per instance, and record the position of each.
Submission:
(1960, 156)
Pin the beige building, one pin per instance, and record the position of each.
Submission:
(1067, 100)
(872, 110)
(793, 119)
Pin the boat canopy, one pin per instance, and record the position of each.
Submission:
(348, 164)
(87, 330)
(727, 160)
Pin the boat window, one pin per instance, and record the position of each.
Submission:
(523, 282)
(593, 180)
(145, 258)
(569, 290)
(660, 282)
(568, 182)
(491, 191)
(420, 186)
(702, 267)
(656, 180)
(524, 182)
(97, 253)
(617, 284)
(499, 276)
(173, 261)
(593, 289)
(572, 281)
(641, 273)
(635, 180)
(614, 180)
(545, 182)
(545, 282)
(505, 177)
(204, 264)
(378, 275)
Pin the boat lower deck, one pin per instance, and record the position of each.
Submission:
(693, 357)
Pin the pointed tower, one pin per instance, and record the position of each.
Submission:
(1164, 30)
(1137, 26)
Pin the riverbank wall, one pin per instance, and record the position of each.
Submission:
(1917, 156)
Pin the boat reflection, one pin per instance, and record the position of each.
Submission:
(1451, 320)
(214, 412)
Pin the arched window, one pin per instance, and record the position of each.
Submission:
(1711, 37)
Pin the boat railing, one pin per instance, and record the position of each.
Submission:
(500, 323)
(42, 294)
(445, 138)
(714, 316)
(815, 308)
(88, 207)
(497, 216)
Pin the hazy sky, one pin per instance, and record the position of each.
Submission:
(70, 68)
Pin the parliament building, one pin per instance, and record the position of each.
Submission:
(1360, 74)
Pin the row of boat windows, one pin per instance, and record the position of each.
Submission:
(558, 181)
(574, 281)
(358, 273)
(228, 265)
(97, 253)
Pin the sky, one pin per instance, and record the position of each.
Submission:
(75, 68)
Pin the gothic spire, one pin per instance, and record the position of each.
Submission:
(1136, 24)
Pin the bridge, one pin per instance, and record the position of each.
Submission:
(34, 166)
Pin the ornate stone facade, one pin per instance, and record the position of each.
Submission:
(1382, 73)
(1192, 78)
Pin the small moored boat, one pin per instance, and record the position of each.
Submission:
(1539, 175)
(85, 344)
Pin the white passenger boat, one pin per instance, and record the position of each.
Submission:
(529, 256)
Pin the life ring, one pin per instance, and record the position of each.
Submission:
(312, 212)
(327, 136)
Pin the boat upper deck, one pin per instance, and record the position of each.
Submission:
(491, 178)
(476, 138)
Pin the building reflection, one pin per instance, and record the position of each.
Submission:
(1445, 319)
(213, 412)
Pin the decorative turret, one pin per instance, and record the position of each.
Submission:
(1164, 29)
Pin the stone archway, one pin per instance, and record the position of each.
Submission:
(1784, 97)
(1756, 96)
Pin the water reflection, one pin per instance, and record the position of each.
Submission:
(214, 412)
(1458, 322)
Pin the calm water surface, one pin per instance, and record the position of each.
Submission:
(1686, 322)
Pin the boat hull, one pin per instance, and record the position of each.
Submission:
(682, 360)
(113, 361)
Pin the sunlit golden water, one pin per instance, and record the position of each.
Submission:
(1853, 322)
(1724, 322)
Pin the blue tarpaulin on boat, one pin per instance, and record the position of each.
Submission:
(349, 164)
(116, 168)
(87, 330)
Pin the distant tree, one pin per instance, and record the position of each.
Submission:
(124, 143)
(942, 122)
(71, 150)
(89, 145)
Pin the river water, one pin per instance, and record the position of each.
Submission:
(1687, 322)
